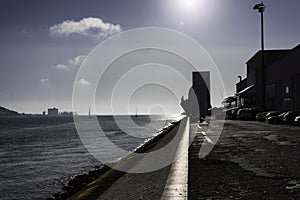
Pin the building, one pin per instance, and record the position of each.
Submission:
(53, 111)
(274, 85)
(66, 113)
(198, 102)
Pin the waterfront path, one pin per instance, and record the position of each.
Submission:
(169, 182)
(251, 160)
(177, 183)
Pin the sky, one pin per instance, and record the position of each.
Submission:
(43, 43)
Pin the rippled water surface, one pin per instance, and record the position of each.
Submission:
(39, 154)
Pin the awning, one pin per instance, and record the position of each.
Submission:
(245, 90)
(229, 99)
(230, 109)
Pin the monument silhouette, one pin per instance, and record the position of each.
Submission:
(198, 103)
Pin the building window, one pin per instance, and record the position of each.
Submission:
(287, 89)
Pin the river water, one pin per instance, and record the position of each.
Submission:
(40, 154)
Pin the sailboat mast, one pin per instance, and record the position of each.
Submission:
(136, 112)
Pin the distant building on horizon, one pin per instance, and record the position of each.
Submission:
(66, 113)
(53, 111)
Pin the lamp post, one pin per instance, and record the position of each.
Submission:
(261, 8)
(260, 97)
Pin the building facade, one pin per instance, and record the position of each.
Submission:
(52, 111)
(272, 83)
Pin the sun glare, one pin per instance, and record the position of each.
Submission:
(193, 10)
(188, 3)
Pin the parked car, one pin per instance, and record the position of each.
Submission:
(246, 114)
(273, 113)
(297, 120)
(276, 119)
(261, 116)
(289, 117)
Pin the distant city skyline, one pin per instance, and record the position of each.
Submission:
(44, 42)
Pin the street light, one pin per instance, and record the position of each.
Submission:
(260, 85)
(261, 8)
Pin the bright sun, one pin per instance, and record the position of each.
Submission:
(191, 8)
(188, 3)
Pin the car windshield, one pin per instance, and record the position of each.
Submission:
(273, 113)
(283, 114)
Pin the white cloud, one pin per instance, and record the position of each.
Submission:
(82, 82)
(72, 63)
(90, 27)
(44, 81)
(76, 61)
(62, 67)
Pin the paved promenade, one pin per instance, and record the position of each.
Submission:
(177, 183)
(167, 183)
(251, 160)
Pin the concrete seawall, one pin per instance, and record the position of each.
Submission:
(103, 181)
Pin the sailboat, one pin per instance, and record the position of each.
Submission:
(90, 117)
(136, 115)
